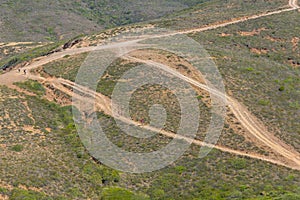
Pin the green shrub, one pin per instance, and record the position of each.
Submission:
(158, 194)
(3, 190)
(281, 88)
(199, 97)
(116, 193)
(250, 69)
(180, 169)
(295, 105)
(19, 194)
(288, 197)
(32, 86)
(238, 163)
(17, 148)
(263, 102)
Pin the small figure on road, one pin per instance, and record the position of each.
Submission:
(25, 71)
(19, 70)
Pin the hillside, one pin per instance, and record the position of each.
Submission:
(43, 20)
(45, 139)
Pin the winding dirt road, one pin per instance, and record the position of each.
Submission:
(251, 123)
(292, 3)
(256, 128)
(103, 103)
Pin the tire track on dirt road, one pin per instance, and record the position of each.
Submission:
(251, 123)
(103, 103)
(10, 77)
(257, 129)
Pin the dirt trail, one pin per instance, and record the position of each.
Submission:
(294, 4)
(15, 44)
(249, 121)
(10, 77)
(236, 21)
(103, 103)
(14, 76)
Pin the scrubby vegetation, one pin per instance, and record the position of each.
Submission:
(43, 21)
(55, 162)
(270, 89)
(65, 19)
(216, 11)
(22, 57)
(10, 49)
(143, 99)
(42, 156)
(48, 156)
(66, 67)
(32, 86)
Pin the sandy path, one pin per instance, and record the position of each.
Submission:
(294, 4)
(249, 121)
(11, 44)
(103, 103)
(12, 76)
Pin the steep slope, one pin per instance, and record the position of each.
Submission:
(43, 158)
(50, 20)
(43, 20)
